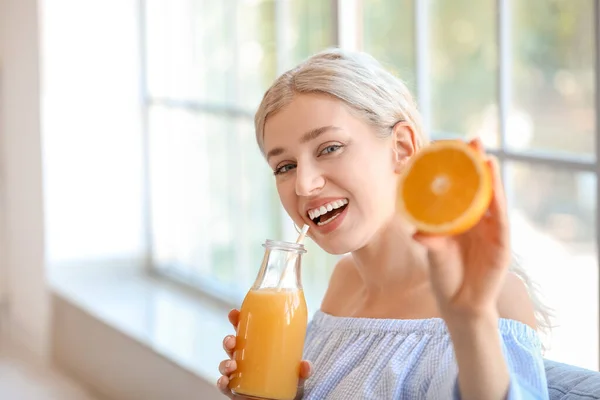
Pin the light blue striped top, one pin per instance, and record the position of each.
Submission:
(364, 358)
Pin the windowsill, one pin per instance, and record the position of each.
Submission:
(184, 327)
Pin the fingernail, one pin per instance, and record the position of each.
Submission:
(219, 381)
(228, 365)
(228, 340)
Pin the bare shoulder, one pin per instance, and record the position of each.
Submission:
(515, 303)
(343, 279)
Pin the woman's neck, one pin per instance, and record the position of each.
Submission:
(391, 261)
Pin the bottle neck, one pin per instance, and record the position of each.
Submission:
(281, 267)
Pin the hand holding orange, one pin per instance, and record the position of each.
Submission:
(446, 190)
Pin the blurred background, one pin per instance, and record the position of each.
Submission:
(127, 144)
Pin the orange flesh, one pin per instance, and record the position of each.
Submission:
(450, 201)
(446, 189)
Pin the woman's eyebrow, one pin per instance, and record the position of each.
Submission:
(315, 133)
(307, 137)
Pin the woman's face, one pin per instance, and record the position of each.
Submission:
(333, 172)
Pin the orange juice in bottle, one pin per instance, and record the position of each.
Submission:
(272, 327)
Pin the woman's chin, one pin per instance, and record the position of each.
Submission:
(333, 247)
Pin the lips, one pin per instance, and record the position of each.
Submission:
(316, 212)
(327, 213)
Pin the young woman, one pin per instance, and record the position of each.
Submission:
(405, 316)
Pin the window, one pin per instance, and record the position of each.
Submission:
(521, 75)
(212, 198)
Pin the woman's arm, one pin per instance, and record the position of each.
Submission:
(482, 370)
(468, 273)
(478, 345)
(498, 366)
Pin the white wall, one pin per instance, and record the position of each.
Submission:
(70, 145)
(21, 166)
(91, 124)
(3, 275)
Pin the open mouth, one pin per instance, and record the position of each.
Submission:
(327, 212)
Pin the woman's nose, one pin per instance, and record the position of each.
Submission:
(309, 180)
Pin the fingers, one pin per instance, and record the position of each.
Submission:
(431, 242)
(492, 164)
(438, 249)
(305, 370)
(227, 367)
(229, 345)
(223, 385)
(497, 211)
(477, 145)
(499, 198)
(234, 317)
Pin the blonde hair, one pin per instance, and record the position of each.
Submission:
(357, 79)
(373, 94)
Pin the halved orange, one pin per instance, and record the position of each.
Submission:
(446, 188)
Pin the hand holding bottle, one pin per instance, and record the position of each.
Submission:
(228, 366)
(266, 353)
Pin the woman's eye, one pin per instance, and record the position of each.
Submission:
(284, 168)
(330, 149)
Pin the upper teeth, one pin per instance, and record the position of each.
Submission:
(317, 212)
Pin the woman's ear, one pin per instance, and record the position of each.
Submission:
(404, 142)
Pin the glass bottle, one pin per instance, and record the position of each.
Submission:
(272, 327)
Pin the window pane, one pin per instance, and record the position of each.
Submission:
(212, 197)
(256, 62)
(464, 69)
(178, 53)
(311, 28)
(388, 35)
(553, 82)
(210, 51)
(553, 232)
